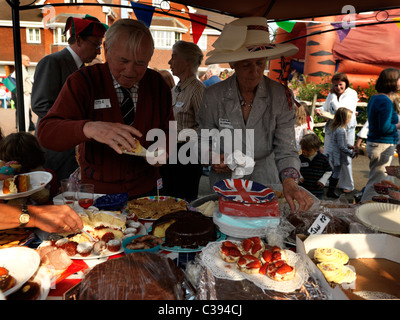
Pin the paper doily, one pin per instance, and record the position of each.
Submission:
(225, 270)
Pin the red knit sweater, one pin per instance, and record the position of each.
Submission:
(62, 128)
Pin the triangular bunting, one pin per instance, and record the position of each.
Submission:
(342, 33)
(199, 22)
(145, 15)
(397, 23)
(286, 25)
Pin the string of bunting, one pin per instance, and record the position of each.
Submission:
(338, 25)
(145, 13)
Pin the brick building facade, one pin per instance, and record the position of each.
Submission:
(41, 30)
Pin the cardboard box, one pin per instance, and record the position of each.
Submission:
(375, 257)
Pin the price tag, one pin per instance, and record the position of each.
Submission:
(319, 224)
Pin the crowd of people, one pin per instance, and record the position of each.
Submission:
(89, 113)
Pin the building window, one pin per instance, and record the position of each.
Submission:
(59, 37)
(165, 39)
(163, 4)
(32, 35)
(202, 43)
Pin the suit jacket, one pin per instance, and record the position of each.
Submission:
(273, 145)
(50, 75)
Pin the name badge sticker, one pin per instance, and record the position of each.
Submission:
(305, 164)
(179, 104)
(102, 104)
(225, 123)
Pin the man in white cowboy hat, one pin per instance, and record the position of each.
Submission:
(250, 100)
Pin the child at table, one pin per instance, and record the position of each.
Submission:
(315, 168)
(303, 124)
(24, 148)
(340, 150)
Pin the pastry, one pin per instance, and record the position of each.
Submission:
(229, 252)
(114, 245)
(336, 273)
(253, 246)
(331, 255)
(249, 264)
(84, 249)
(280, 270)
(7, 281)
(16, 184)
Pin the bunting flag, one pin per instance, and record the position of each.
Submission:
(145, 15)
(286, 25)
(397, 23)
(10, 84)
(199, 22)
(342, 33)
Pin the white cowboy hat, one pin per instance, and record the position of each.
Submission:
(247, 38)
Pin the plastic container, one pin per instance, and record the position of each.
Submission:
(111, 202)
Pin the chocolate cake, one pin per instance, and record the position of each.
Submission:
(136, 276)
(186, 229)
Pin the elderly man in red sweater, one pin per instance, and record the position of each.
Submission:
(89, 112)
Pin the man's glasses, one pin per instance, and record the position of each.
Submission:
(96, 45)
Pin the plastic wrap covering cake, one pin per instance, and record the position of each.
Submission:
(136, 276)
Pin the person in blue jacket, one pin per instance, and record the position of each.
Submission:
(383, 121)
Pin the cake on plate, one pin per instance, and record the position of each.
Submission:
(186, 229)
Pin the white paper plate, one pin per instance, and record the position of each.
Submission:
(384, 217)
(327, 114)
(38, 180)
(21, 263)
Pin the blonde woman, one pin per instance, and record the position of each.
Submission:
(340, 150)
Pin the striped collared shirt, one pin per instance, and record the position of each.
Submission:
(186, 98)
(134, 92)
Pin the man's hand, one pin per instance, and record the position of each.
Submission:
(112, 134)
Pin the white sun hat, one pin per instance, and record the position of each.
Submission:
(247, 38)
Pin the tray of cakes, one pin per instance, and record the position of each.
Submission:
(102, 235)
(268, 267)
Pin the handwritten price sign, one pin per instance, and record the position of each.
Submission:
(319, 224)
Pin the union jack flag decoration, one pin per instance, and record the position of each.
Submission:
(241, 190)
(260, 47)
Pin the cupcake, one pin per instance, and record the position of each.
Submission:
(84, 249)
(70, 248)
(133, 224)
(108, 236)
(99, 247)
(61, 243)
(114, 245)
(132, 231)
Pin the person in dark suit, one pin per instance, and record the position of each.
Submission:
(51, 73)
